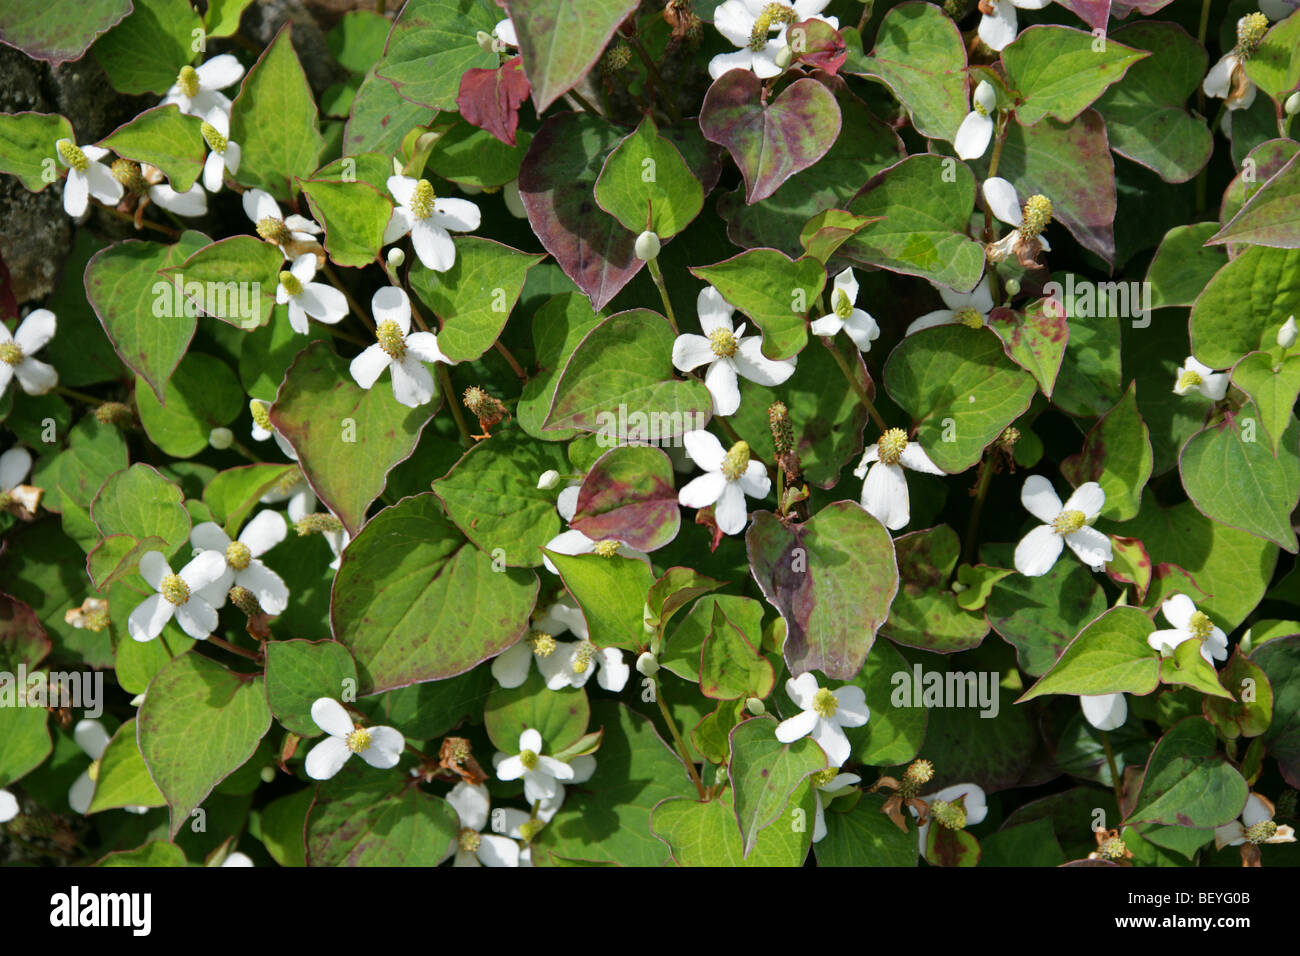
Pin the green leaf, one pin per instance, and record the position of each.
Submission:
(232, 279)
(1280, 661)
(149, 326)
(198, 724)
(681, 653)
(154, 854)
(865, 836)
(925, 613)
(1090, 381)
(202, 394)
(894, 734)
(1035, 339)
(645, 184)
(432, 44)
(1183, 265)
(358, 39)
(921, 229)
(492, 496)
(347, 438)
(1241, 308)
(832, 579)
(469, 156)
(1187, 666)
(558, 327)
(1248, 710)
(1110, 655)
(1059, 71)
(57, 30)
(475, 296)
(612, 593)
(368, 817)
(427, 710)
(825, 232)
(300, 672)
(1117, 455)
(280, 826)
(561, 40)
(961, 388)
(944, 847)
(22, 639)
(24, 739)
(676, 588)
(1187, 782)
(123, 779)
(764, 773)
(353, 214)
(919, 55)
(646, 395)
(629, 495)
(139, 501)
(560, 716)
(991, 746)
(166, 138)
(1270, 217)
(414, 601)
(273, 119)
(118, 555)
(1274, 387)
(1275, 65)
(1233, 478)
(773, 290)
(705, 834)
(234, 493)
(977, 583)
(27, 146)
(731, 667)
(379, 118)
(146, 51)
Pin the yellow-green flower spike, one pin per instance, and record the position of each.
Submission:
(529, 759)
(607, 548)
(317, 523)
(1199, 625)
(824, 703)
(359, 740)
(238, 555)
(736, 461)
(1261, 832)
(262, 417)
(950, 815)
(891, 445)
(822, 777)
(841, 305)
(290, 283)
(273, 230)
(1037, 214)
(723, 342)
(422, 200)
(1250, 32)
(245, 600)
(212, 136)
(469, 840)
(72, 155)
(543, 644)
(773, 15)
(1189, 380)
(188, 81)
(11, 353)
(1068, 522)
(174, 589)
(391, 339)
(128, 174)
(970, 317)
(582, 656)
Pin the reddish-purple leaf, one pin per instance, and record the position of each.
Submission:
(22, 638)
(1034, 339)
(1095, 13)
(770, 142)
(629, 495)
(819, 44)
(490, 99)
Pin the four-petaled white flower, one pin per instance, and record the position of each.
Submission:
(1068, 523)
(884, 490)
(572, 664)
(8, 806)
(574, 542)
(223, 156)
(827, 785)
(380, 747)
(824, 713)
(275, 227)
(726, 353)
(87, 177)
(240, 559)
(197, 89)
(1104, 711)
(93, 739)
(542, 774)
(474, 847)
(749, 25)
(976, 129)
(428, 219)
(859, 325)
(1029, 218)
(973, 801)
(998, 27)
(178, 594)
(1256, 826)
(728, 477)
(1189, 623)
(322, 302)
(399, 350)
(970, 309)
(510, 667)
(1194, 375)
(35, 377)
(192, 202)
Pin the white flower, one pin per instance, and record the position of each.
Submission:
(427, 219)
(192, 202)
(1104, 711)
(505, 34)
(272, 226)
(510, 667)
(304, 297)
(1189, 623)
(35, 377)
(261, 431)
(1227, 79)
(239, 558)
(380, 747)
(1256, 826)
(1030, 219)
(859, 325)
(92, 738)
(970, 309)
(542, 774)
(86, 177)
(728, 477)
(1064, 524)
(748, 24)
(548, 480)
(8, 806)
(972, 139)
(302, 502)
(1193, 375)
(825, 792)
(522, 825)
(823, 713)
(998, 27)
(726, 353)
(237, 859)
(473, 847)
(399, 350)
(196, 89)
(178, 594)
(973, 800)
(884, 492)
(573, 663)
(224, 155)
(574, 541)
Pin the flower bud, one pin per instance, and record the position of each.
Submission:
(220, 438)
(1292, 105)
(1012, 286)
(647, 246)
(1286, 335)
(514, 203)
(548, 480)
(267, 774)
(485, 41)
(396, 258)
(784, 56)
(647, 665)
(755, 706)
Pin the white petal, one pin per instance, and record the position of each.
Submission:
(214, 168)
(1038, 551)
(153, 568)
(1257, 811)
(703, 491)
(102, 184)
(402, 188)
(385, 750)
(852, 710)
(566, 502)
(327, 758)
(1218, 80)
(832, 740)
(498, 851)
(505, 32)
(424, 346)
(330, 717)
(399, 224)
(204, 568)
(862, 329)
(1178, 610)
(730, 512)
(802, 690)
(720, 380)
(726, 62)
(511, 768)
(755, 481)
(973, 136)
(1088, 498)
(1040, 499)
(915, 458)
(91, 737)
(433, 245)
(530, 739)
(264, 532)
(884, 495)
(1092, 547)
(390, 304)
(368, 366)
(14, 466)
(412, 382)
(267, 586)
(76, 193)
(1003, 201)
(827, 325)
(691, 351)
(150, 616)
(81, 793)
(207, 536)
(705, 450)
(8, 806)
(757, 367)
(930, 320)
(459, 215)
(220, 72)
(1105, 711)
(197, 617)
(734, 22)
(800, 725)
(713, 310)
(36, 377)
(193, 202)
(999, 29)
(510, 667)
(471, 803)
(36, 330)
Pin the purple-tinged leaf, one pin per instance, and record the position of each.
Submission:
(1034, 339)
(629, 495)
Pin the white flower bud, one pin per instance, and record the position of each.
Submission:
(647, 665)
(1012, 286)
(485, 41)
(267, 774)
(549, 480)
(755, 706)
(514, 204)
(986, 96)
(137, 700)
(1292, 104)
(469, 189)
(647, 246)
(220, 438)
(1286, 335)
(784, 56)
(396, 257)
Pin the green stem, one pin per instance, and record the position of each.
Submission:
(1003, 125)
(226, 645)
(79, 396)
(682, 749)
(582, 102)
(657, 274)
(981, 492)
(449, 393)
(657, 80)
(157, 227)
(852, 379)
(514, 363)
(1114, 771)
(352, 303)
